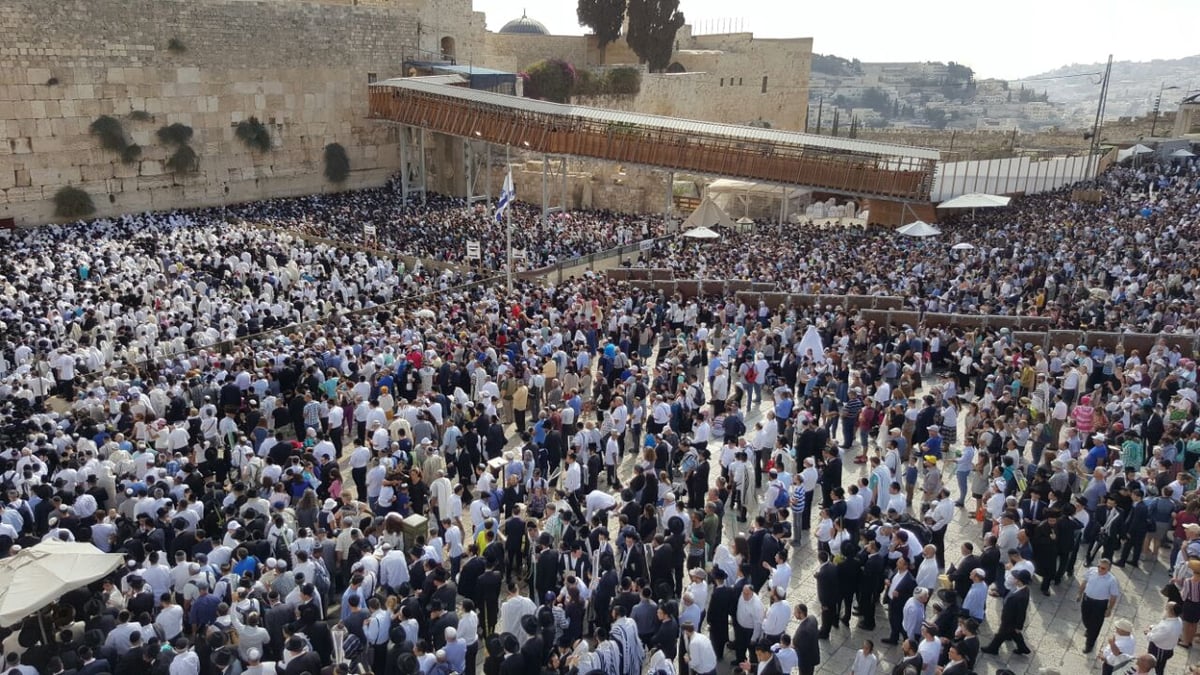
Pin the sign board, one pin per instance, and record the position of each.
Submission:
(473, 250)
(369, 230)
(519, 254)
(646, 245)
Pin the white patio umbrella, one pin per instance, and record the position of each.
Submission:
(39, 575)
(1183, 154)
(962, 246)
(976, 200)
(701, 233)
(919, 228)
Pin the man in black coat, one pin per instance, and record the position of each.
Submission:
(758, 575)
(960, 573)
(722, 606)
(806, 641)
(849, 576)
(473, 567)
(1137, 524)
(1012, 616)
(770, 547)
(662, 567)
(488, 589)
(899, 589)
(666, 638)
(546, 568)
(633, 560)
(873, 577)
(831, 476)
(828, 593)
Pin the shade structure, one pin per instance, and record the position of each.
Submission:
(39, 575)
(1182, 153)
(962, 246)
(744, 221)
(708, 214)
(975, 200)
(701, 233)
(919, 228)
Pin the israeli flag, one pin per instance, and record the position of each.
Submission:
(507, 194)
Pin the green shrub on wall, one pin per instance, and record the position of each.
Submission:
(254, 134)
(183, 160)
(176, 46)
(623, 81)
(71, 202)
(140, 116)
(175, 134)
(337, 163)
(112, 137)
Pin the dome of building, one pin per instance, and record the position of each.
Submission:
(524, 26)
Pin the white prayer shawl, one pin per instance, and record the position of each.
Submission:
(624, 633)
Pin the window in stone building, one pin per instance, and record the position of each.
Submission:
(722, 82)
(764, 87)
(448, 49)
(371, 78)
(739, 81)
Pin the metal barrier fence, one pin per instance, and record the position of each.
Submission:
(886, 310)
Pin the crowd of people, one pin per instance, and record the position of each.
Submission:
(437, 227)
(574, 479)
(1122, 264)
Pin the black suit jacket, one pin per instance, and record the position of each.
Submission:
(468, 577)
(635, 567)
(1014, 610)
(666, 638)
(961, 574)
(913, 661)
(721, 607)
(990, 563)
(827, 585)
(307, 662)
(772, 667)
(903, 589)
(488, 588)
(874, 572)
(95, 667)
(807, 642)
(662, 564)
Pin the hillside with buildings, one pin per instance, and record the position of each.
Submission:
(1133, 88)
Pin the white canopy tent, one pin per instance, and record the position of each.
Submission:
(976, 200)
(758, 200)
(1134, 151)
(1183, 154)
(39, 575)
(962, 246)
(919, 229)
(709, 215)
(702, 233)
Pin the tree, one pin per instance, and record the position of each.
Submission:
(652, 28)
(549, 80)
(604, 17)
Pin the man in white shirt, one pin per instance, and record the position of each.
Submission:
(700, 656)
(1164, 635)
(747, 625)
(775, 621)
(1121, 648)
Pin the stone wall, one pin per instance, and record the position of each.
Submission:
(300, 67)
(516, 52)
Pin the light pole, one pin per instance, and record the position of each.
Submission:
(1158, 102)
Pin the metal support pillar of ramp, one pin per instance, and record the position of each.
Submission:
(408, 177)
(476, 163)
(669, 203)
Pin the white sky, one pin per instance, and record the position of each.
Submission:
(1006, 39)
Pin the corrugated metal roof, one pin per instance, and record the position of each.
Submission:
(671, 123)
(451, 79)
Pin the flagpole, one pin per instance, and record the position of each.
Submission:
(508, 222)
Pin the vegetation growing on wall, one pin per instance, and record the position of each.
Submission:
(549, 80)
(254, 134)
(112, 137)
(71, 202)
(337, 163)
(176, 46)
(140, 116)
(184, 159)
